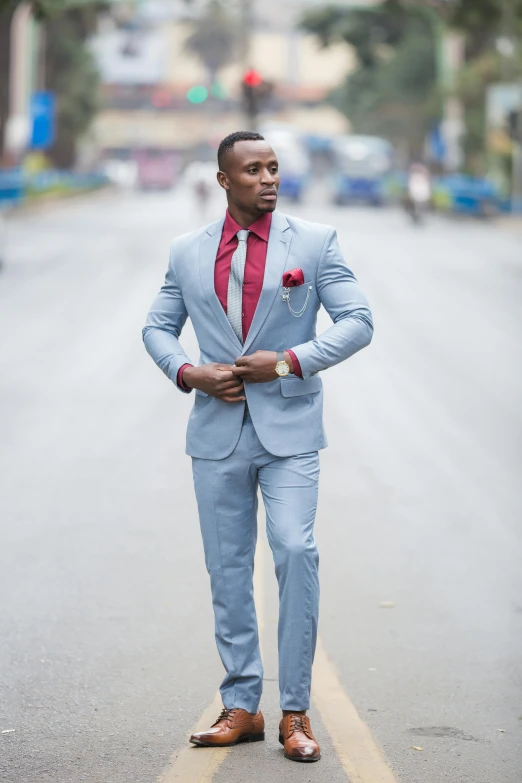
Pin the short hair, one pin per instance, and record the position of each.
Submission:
(228, 142)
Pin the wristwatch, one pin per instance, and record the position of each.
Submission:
(282, 367)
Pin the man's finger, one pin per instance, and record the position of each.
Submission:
(233, 399)
(227, 375)
(241, 361)
(235, 385)
(239, 371)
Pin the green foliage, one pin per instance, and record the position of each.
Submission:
(214, 39)
(72, 75)
(367, 30)
(44, 9)
(393, 90)
(69, 67)
(482, 20)
(482, 24)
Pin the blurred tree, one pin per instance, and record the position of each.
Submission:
(69, 68)
(492, 32)
(392, 92)
(72, 75)
(214, 39)
(482, 22)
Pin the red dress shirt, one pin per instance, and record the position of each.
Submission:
(257, 245)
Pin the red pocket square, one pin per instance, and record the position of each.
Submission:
(292, 278)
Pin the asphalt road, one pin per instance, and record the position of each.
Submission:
(107, 658)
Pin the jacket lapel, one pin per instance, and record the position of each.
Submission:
(277, 252)
(207, 261)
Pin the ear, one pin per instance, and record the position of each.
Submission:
(222, 178)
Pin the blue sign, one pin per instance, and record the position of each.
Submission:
(437, 144)
(42, 119)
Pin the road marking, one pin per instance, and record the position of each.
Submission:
(195, 765)
(358, 753)
(198, 765)
(362, 760)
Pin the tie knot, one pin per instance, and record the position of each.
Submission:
(242, 234)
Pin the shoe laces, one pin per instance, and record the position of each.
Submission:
(225, 715)
(298, 723)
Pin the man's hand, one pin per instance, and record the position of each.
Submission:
(259, 367)
(215, 379)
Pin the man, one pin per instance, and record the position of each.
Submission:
(252, 284)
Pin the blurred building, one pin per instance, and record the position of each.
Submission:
(157, 94)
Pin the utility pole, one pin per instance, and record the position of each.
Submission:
(245, 34)
(17, 125)
(508, 25)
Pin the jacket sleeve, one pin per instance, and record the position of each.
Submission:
(343, 299)
(165, 321)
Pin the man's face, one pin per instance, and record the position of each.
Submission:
(251, 176)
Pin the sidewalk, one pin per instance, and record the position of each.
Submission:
(49, 200)
(511, 223)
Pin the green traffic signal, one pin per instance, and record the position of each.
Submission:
(218, 90)
(197, 94)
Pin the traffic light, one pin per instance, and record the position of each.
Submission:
(255, 92)
(252, 78)
(197, 94)
(514, 123)
(218, 91)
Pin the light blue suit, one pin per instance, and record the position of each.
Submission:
(273, 445)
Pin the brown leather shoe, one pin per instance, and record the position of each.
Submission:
(295, 734)
(231, 727)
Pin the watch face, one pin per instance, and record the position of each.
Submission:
(282, 368)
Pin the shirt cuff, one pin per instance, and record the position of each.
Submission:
(295, 362)
(179, 378)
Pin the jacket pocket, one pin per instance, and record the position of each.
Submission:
(295, 387)
(296, 299)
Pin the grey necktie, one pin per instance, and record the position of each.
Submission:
(235, 284)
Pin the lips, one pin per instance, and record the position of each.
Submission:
(269, 195)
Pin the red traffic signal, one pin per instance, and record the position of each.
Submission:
(252, 78)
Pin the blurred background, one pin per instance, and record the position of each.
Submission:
(132, 92)
(400, 124)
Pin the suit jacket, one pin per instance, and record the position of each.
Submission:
(286, 412)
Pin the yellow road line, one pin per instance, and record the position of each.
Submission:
(198, 765)
(362, 760)
(195, 765)
(358, 753)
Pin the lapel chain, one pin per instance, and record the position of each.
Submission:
(286, 298)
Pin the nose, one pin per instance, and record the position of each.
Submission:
(267, 178)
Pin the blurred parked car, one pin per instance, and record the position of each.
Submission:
(468, 195)
(157, 169)
(361, 165)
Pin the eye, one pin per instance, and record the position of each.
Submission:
(252, 170)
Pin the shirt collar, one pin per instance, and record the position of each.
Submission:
(260, 227)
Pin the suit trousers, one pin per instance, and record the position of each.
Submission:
(226, 492)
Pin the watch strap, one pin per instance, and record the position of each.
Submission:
(280, 356)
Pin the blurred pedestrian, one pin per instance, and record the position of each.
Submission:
(202, 192)
(418, 191)
(252, 284)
